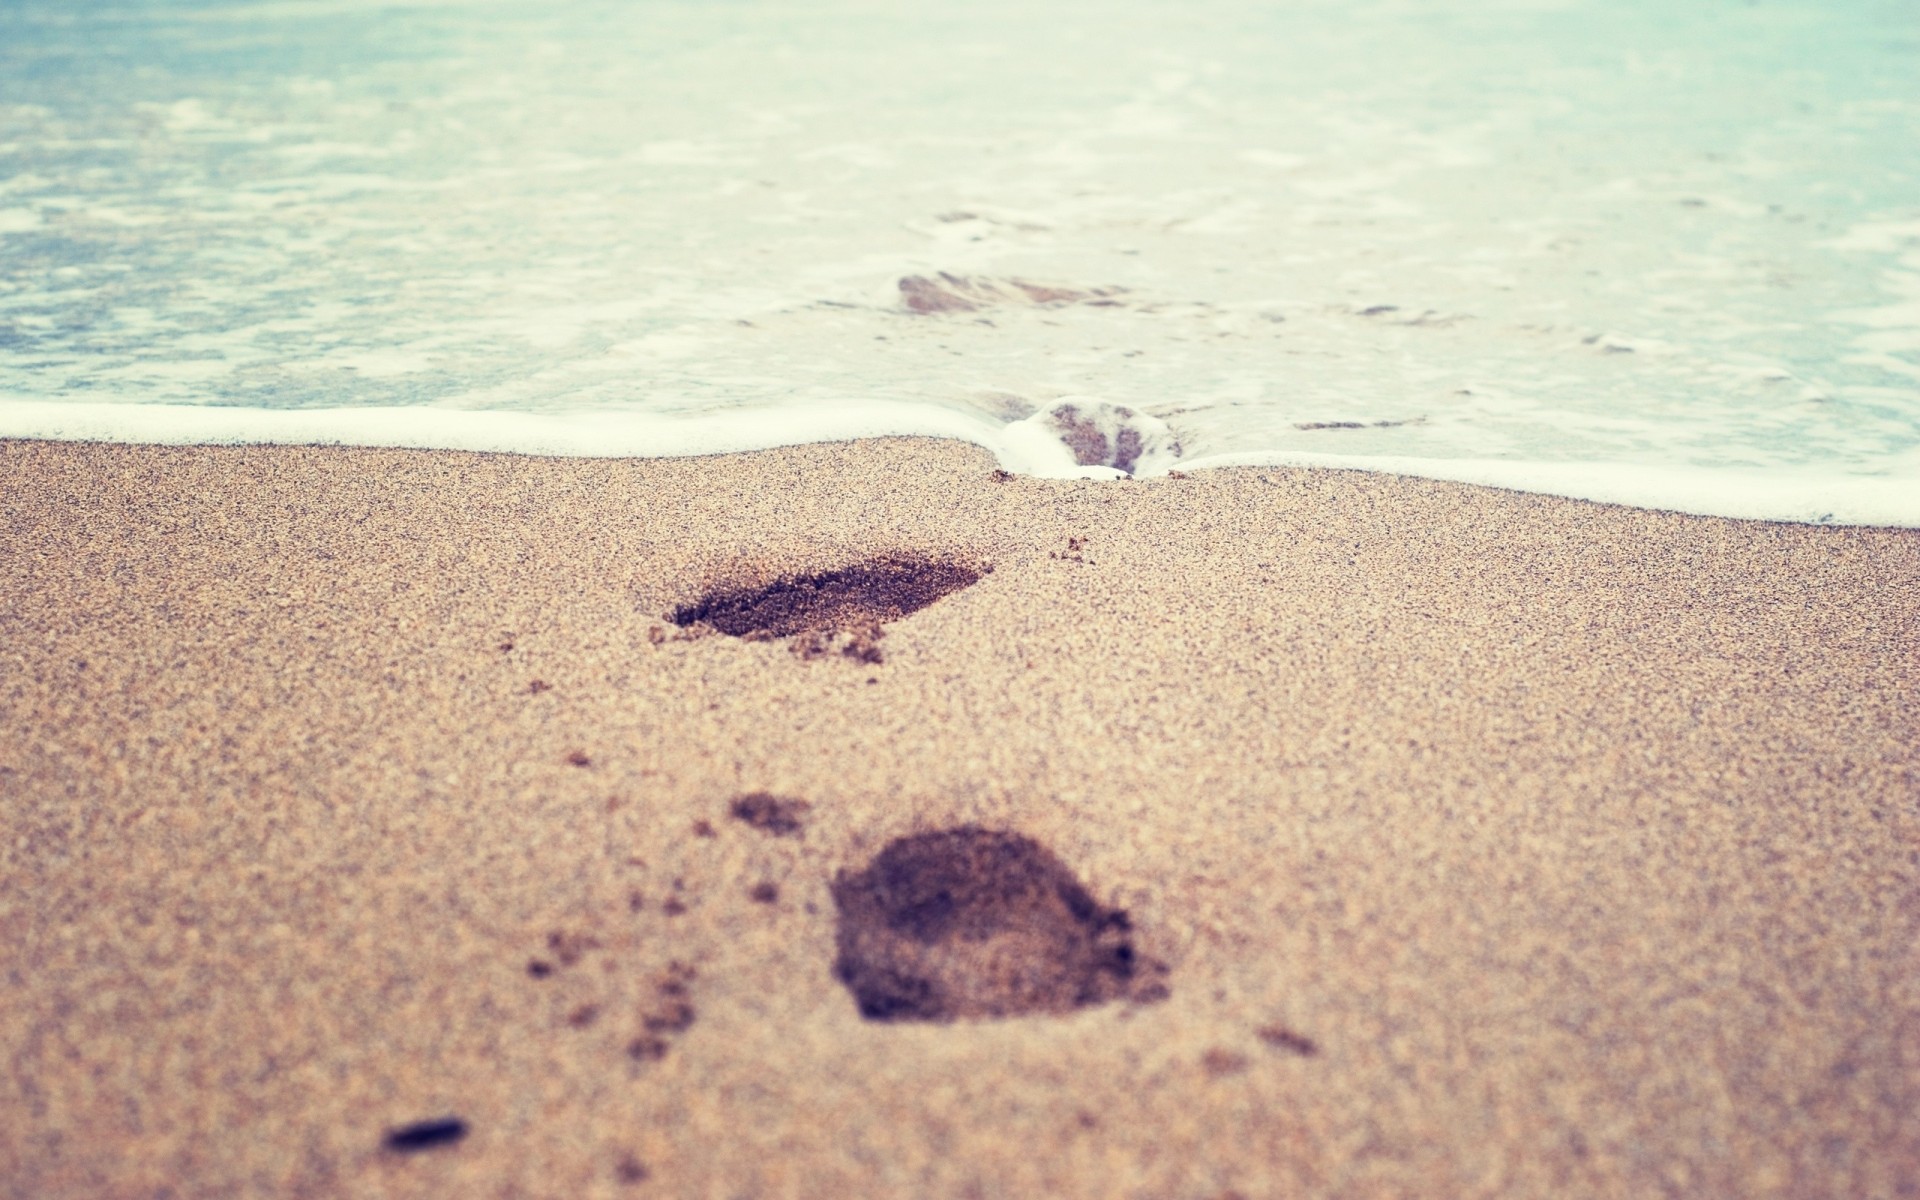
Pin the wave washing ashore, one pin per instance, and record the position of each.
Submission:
(1614, 251)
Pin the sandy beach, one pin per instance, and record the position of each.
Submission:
(369, 827)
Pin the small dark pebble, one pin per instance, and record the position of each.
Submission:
(675, 1017)
(631, 1170)
(424, 1135)
(772, 814)
(673, 907)
(764, 893)
(1282, 1038)
(538, 969)
(703, 829)
(538, 686)
(579, 759)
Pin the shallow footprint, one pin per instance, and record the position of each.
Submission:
(971, 923)
(851, 603)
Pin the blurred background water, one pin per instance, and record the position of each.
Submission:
(1664, 238)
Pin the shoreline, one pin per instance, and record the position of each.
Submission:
(1493, 843)
(1786, 495)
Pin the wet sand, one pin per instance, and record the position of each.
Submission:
(1491, 844)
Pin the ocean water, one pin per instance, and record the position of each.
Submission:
(1655, 253)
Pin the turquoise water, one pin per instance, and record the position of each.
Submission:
(1654, 253)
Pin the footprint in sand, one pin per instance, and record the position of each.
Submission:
(839, 611)
(972, 923)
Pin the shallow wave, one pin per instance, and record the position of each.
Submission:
(1610, 248)
(1809, 497)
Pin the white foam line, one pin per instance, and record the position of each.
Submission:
(1802, 497)
(574, 435)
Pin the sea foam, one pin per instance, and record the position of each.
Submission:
(1610, 249)
(1030, 447)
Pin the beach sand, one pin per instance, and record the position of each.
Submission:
(1469, 843)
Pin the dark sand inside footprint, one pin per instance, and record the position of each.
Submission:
(973, 923)
(855, 600)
